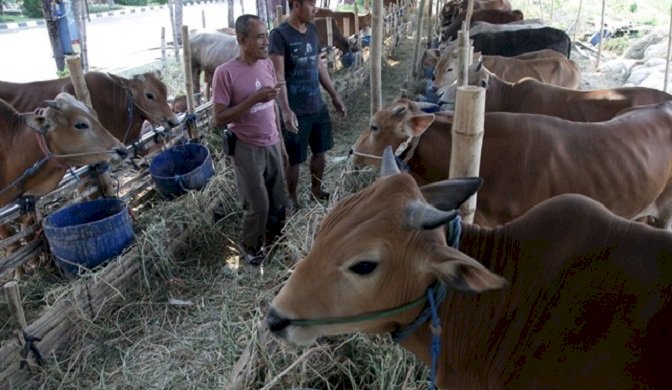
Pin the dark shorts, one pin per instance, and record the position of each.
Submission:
(314, 130)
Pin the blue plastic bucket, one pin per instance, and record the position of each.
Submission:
(181, 168)
(89, 233)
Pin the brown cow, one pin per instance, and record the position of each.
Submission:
(364, 20)
(547, 66)
(122, 104)
(531, 96)
(588, 305)
(452, 9)
(66, 133)
(601, 160)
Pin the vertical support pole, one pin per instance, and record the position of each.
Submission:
(467, 140)
(601, 32)
(164, 59)
(359, 36)
(418, 37)
(669, 49)
(330, 43)
(278, 15)
(376, 56)
(78, 81)
(577, 25)
(189, 83)
(346, 27)
(176, 45)
(14, 301)
(430, 8)
(203, 17)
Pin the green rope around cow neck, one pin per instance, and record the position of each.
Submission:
(360, 317)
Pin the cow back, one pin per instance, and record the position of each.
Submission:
(513, 43)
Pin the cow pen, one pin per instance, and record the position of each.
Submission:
(78, 304)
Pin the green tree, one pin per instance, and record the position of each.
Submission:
(633, 8)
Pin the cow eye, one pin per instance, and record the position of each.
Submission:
(363, 267)
(450, 69)
(81, 126)
(149, 95)
(374, 128)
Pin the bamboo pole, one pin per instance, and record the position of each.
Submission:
(278, 15)
(467, 140)
(330, 44)
(164, 59)
(376, 56)
(669, 47)
(14, 301)
(577, 25)
(601, 31)
(189, 82)
(430, 8)
(418, 33)
(359, 36)
(74, 63)
(176, 46)
(203, 17)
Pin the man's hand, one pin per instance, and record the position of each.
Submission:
(290, 121)
(266, 94)
(340, 107)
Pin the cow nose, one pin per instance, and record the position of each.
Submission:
(122, 152)
(350, 152)
(275, 322)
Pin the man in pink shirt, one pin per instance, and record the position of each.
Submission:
(244, 92)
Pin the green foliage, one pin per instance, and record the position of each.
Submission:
(32, 8)
(616, 45)
(158, 1)
(633, 8)
(61, 74)
(98, 8)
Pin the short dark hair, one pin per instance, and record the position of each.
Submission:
(243, 24)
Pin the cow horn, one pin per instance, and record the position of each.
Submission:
(422, 216)
(398, 109)
(388, 166)
(53, 104)
(450, 194)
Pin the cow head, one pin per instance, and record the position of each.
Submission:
(390, 126)
(150, 96)
(479, 75)
(73, 134)
(375, 251)
(445, 71)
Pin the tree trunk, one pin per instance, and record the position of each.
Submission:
(179, 19)
(229, 7)
(54, 36)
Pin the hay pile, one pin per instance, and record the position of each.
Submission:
(193, 320)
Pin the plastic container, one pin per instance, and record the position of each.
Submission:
(180, 169)
(89, 233)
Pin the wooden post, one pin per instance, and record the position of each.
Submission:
(176, 45)
(78, 81)
(330, 44)
(418, 33)
(376, 56)
(164, 59)
(359, 36)
(189, 83)
(80, 15)
(203, 17)
(278, 15)
(599, 45)
(229, 10)
(577, 25)
(430, 8)
(346, 27)
(467, 141)
(14, 301)
(669, 46)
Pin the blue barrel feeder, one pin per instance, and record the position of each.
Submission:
(89, 233)
(181, 168)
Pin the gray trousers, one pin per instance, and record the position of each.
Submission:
(260, 178)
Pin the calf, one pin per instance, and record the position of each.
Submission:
(624, 163)
(208, 51)
(588, 304)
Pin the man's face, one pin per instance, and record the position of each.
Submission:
(306, 10)
(255, 44)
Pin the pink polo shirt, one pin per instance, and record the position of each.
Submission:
(232, 83)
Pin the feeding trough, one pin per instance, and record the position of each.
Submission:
(181, 168)
(85, 235)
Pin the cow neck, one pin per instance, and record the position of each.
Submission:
(498, 95)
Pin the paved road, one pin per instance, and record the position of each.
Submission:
(114, 42)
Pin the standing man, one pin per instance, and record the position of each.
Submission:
(244, 92)
(295, 52)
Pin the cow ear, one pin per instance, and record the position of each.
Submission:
(460, 272)
(449, 194)
(419, 123)
(38, 122)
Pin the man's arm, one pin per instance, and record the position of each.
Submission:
(325, 80)
(288, 116)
